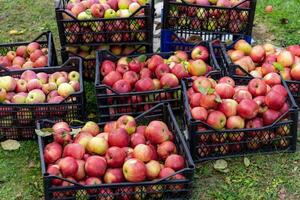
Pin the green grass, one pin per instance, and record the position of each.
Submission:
(267, 177)
(285, 34)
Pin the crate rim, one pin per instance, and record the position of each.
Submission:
(61, 67)
(188, 159)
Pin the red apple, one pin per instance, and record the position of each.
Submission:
(236, 55)
(209, 101)
(114, 176)
(131, 77)
(295, 72)
(165, 149)
(122, 86)
(280, 89)
(227, 80)
(200, 52)
(199, 113)
(197, 67)
(74, 150)
(260, 101)
(68, 166)
(274, 100)
(180, 71)
(115, 157)
(161, 69)
(240, 95)
(157, 132)
(216, 119)
(141, 129)
(166, 172)
(257, 87)
(152, 169)
(107, 66)
(95, 166)
(270, 116)
(83, 138)
(285, 58)
(54, 171)
(235, 122)
(110, 126)
(154, 61)
(135, 66)
(145, 73)
(142, 152)
(224, 90)
(272, 79)
(228, 107)
(137, 138)
(169, 80)
(248, 108)
(80, 174)
(52, 152)
(111, 78)
(144, 84)
(257, 53)
(134, 170)
(201, 83)
(175, 161)
(118, 138)
(128, 123)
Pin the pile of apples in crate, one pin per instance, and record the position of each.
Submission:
(25, 57)
(123, 152)
(40, 87)
(265, 61)
(89, 9)
(224, 105)
(142, 74)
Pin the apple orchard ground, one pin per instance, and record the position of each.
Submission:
(268, 177)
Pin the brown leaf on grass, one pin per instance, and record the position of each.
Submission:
(10, 145)
(282, 193)
(31, 164)
(284, 21)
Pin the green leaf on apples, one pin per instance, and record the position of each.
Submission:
(218, 99)
(129, 59)
(202, 90)
(142, 58)
(278, 66)
(221, 165)
(44, 132)
(246, 162)
(10, 145)
(210, 90)
(75, 131)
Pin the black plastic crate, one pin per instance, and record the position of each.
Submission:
(45, 40)
(17, 121)
(230, 68)
(134, 30)
(172, 40)
(89, 64)
(212, 20)
(210, 144)
(112, 104)
(158, 189)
